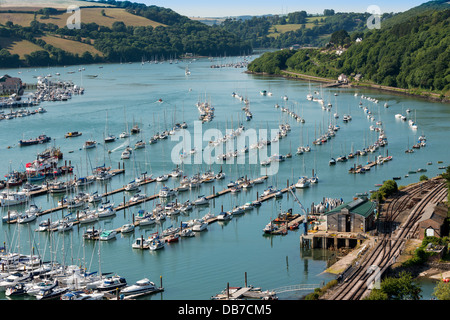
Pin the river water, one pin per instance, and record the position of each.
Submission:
(120, 95)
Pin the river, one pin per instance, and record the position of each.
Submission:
(155, 96)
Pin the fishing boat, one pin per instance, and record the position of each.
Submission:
(140, 287)
(72, 134)
(41, 139)
(13, 198)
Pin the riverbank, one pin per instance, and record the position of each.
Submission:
(416, 93)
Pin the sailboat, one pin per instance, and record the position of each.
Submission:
(125, 134)
(109, 137)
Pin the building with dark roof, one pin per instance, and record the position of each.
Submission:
(432, 222)
(355, 216)
(10, 85)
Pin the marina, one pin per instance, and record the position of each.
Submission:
(221, 250)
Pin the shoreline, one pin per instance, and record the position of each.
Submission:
(393, 90)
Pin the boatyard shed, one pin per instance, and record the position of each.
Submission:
(355, 216)
(432, 223)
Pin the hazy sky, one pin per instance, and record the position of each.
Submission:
(214, 8)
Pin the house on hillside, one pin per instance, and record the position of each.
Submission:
(432, 223)
(355, 216)
(342, 78)
(10, 85)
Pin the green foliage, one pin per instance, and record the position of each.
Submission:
(318, 292)
(442, 291)
(257, 29)
(340, 37)
(423, 178)
(412, 55)
(271, 62)
(127, 43)
(388, 188)
(401, 288)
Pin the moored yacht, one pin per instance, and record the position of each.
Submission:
(140, 287)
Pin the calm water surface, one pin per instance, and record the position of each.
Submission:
(197, 268)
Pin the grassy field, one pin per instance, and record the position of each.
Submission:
(282, 28)
(87, 15)
(70, 45)
(37, 4)
(18, 46)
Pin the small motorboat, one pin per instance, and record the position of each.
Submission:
(72, 134)
(127, 228)
(54, 293)
(199, 225)
(140, 243)
(201, 200)
(108, 235)
(156, 244)
(224, 216)
(140, 287)
(112, 283)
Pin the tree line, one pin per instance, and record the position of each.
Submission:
(414, 54)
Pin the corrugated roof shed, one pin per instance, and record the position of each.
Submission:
(360, 206)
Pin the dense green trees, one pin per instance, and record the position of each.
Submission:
(402, 287)
(126, 43)
(414, 54)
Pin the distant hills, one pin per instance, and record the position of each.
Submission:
(111, 31)
(35, 33)
(411, 51)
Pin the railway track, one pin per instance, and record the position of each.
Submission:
(389, 245)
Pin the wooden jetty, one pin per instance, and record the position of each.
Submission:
(249, 292)
(129, 204)
(46, 189)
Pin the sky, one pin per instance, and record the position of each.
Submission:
(224, 8)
